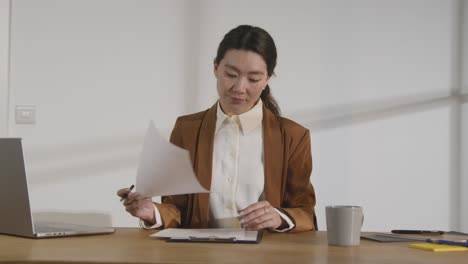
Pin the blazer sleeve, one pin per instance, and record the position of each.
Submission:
(299, 196)
(173, 208)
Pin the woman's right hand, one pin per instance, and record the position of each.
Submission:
(137, 205)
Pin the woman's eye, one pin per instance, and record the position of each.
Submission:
(254, 80)
(229, 75)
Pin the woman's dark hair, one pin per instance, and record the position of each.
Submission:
(257, 40)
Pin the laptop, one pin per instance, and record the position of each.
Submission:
(16, 218)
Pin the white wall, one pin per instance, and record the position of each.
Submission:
(464, 47)
(464, 169)
(97, 71)
(375, 57)
(371, 79)
(464, 118)
(4, 60)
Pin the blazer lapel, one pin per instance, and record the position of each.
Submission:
(203, 162)
(273, 149)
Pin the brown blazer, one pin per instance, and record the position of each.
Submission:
(288, 166)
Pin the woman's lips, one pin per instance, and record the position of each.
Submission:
(237, 100)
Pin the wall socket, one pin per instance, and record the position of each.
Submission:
(25, 114)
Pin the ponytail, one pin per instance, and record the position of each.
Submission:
(270, 102)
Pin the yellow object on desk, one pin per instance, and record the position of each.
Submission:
(437, 247)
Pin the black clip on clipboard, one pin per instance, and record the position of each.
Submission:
(215, 239)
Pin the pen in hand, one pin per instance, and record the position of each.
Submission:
(126, 196)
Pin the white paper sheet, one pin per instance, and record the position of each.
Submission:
(164, 169)
(180, 233)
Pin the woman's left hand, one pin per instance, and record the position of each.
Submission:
(260, 215)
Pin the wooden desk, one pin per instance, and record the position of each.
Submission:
(132, 245)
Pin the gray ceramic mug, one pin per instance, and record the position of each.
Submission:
(344, 224)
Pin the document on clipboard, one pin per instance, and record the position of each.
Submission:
(212, 235)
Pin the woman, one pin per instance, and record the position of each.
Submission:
(256, 163)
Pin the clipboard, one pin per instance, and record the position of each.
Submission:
(213, 239)
(212, 235)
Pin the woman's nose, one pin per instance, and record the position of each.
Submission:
(240, 86)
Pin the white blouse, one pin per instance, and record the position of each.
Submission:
(237, 176)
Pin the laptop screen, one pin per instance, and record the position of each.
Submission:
(14, 199)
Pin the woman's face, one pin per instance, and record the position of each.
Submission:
(241, 77)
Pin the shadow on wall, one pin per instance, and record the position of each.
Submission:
(91, 158)
(115, 144)
(65, 170)
(348, 114)
(81, 159)
(90, 219)
(464, 98)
